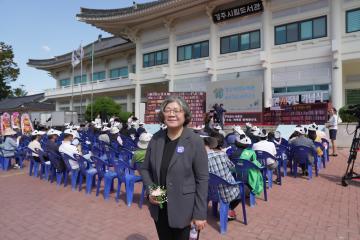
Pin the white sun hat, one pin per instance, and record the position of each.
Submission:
(114, 130)
(37, 132)
(53, 132)
(144, 140)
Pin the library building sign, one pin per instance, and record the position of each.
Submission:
(238, 11)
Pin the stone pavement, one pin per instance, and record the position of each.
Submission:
(299, 209)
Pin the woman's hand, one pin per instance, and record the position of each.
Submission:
(153, 201)
(199, 224)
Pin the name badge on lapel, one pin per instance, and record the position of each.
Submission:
(180, 149)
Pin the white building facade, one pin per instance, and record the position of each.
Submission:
(290, 47)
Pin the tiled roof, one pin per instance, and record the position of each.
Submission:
(90, 13)
(28, 102)
(104, 44)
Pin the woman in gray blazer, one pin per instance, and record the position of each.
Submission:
(176, 159)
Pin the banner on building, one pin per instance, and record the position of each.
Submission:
(196, 101)
(238, 11)
(238, 96)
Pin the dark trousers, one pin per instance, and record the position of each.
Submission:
(165, 232)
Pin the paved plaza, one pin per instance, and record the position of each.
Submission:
(299, 209)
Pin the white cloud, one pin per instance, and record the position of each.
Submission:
(46, 48)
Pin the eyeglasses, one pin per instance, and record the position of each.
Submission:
(175, 111)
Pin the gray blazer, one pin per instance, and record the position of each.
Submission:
(186, 181)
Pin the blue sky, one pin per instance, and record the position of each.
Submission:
(41, 29)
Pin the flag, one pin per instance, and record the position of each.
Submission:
(77, 56)
(74, 59)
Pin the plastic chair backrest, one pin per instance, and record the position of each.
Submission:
(55, 159)
(41, 155)
(83, 163)
(242, 168)
(100, 166)
(262, 156)
(302, 153)
(66, 158)
(214, 182)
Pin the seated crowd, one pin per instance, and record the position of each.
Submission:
(224, 150)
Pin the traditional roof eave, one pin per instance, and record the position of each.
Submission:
(121, 21)
(65, 59)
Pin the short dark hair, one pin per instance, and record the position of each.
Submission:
(183, 104)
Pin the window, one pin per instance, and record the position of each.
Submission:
(78, 79)
(119, 72)
(155, 58)
(98, 76)
(353, 20)
(193, 51)
(299, 31)
(306, 30)
(352, 96)
(240, 42)
(305, 88)
(64, 82)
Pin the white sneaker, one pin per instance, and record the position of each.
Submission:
(16, 166)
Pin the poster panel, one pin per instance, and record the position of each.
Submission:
(26, 125)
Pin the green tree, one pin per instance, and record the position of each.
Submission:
(105, 106)
(19, 91)
(8, 70)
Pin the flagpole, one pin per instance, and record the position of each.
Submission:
(81, 76)
(72, 94)
(92, 80)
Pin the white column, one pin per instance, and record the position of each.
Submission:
(336, 30)
(172, 58)
(266, 54)
(71, 104)
(138, 77)
(107, 70)
(57, 106)
(129, 103)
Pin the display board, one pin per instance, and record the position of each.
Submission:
(196, 101)
(297, 114)
(242, 118)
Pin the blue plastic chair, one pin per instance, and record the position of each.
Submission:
(5, 161)
(103, 172)
(242, 168)
(321, 159)
(45, 165)
(126, 174)
(214, 196)
(262, 156)
(87, 171)
(303, 153)
(326, 145)
(74, 171)
(282, 155)
(34, 165)
(54, 158)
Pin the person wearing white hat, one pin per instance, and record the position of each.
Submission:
(266, 146)
(35, 144)
(255, 178)
(9, 146)
(68, 148)
(140, 129)
(132, 130)
(104, 137)
(139, 155)
(115, 136)
(299, 139)
(51, 145)
(217, 128)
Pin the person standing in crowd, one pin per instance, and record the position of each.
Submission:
(9, 146)
(332, 124)
(221, 115)
(176, 159)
